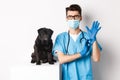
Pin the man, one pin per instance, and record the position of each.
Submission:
(75, 48)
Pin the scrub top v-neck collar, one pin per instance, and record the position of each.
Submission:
(75, 37)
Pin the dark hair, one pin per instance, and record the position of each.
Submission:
(74, 7)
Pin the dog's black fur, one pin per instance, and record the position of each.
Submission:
(43, 47)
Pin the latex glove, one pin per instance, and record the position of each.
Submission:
(93, 31)
(85, 49)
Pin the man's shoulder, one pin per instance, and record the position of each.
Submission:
(62, 34)
(85, 34)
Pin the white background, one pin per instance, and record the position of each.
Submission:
(20, 19)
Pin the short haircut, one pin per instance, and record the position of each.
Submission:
(74, 7)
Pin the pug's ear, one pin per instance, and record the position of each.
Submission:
(50, 31)
(39, 30)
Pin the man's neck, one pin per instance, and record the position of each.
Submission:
(74, 31)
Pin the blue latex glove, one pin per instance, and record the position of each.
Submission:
(85, 49)
(93, 31)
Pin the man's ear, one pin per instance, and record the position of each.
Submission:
(80, 18)
(66, 18)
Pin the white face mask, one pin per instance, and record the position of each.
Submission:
(74, 24)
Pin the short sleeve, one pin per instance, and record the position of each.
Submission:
(58, 45)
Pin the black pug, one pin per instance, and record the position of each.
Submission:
(43, 47)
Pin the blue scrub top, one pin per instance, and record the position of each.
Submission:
(79, 69)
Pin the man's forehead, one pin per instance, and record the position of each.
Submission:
(73, 13)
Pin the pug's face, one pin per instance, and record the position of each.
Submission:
(45, 35)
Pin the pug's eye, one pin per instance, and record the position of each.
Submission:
(40, 35)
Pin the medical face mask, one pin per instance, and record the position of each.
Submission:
(74, 24)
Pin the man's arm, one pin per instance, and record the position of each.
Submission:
(95, 52)
(92, 34)
(67, 58)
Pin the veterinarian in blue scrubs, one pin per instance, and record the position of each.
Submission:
(75, 48)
